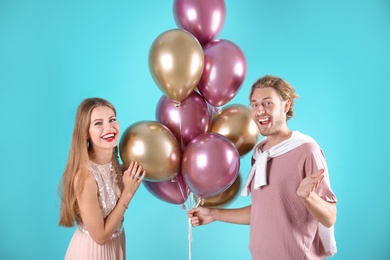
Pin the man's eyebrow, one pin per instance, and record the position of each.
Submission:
(266, 98)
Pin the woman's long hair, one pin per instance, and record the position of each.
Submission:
(78, 160)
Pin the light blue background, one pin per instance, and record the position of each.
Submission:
(54, 53)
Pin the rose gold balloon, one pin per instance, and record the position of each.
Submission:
(210, 164)
(225, 198)
(202, 18)
(176, 63)
(173, 191)
(154, 146)
(187, 120)
(224, 72)
(236, 124)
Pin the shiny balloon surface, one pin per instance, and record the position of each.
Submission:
(186, 120)
(154, 146)
(225, 198)
(224, 72)
(210, 164)
(176, 62)
(235, 123)
(202, 18)
(173, 191)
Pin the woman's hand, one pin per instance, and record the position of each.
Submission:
(132, 178)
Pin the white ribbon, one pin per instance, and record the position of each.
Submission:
(190, 199)
(259, 168)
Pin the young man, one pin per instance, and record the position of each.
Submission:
(293, 207)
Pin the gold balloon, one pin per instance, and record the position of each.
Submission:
(176, 63)
(235, 123)
(225, 198)
(154, 146)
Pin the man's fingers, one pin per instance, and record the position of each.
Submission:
(318, 174)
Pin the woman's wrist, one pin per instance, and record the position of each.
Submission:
(125, 199)
(124, 205)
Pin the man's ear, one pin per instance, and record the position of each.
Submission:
(287, 105)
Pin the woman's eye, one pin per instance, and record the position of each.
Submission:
(112, 120)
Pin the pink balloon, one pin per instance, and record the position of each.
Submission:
(202, 18)
(223, 73)
(173, 191)
(212, 110)
(186, 119)
(210, 164)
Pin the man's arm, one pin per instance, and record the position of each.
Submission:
(202, 216)
(321, 210)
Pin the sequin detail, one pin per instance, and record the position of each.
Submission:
(108, 192)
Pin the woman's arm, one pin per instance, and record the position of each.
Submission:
(99, 228)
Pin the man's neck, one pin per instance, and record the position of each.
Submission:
(278, 137)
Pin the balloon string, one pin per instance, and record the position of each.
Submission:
(190, 230)
(199, 200)
(181, 192)
(189, 239)
(182, 146)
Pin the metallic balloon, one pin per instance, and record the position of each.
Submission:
(176, 63)
(173, 191)
(186, 120)
(210, 164)
(225, 198)
(236, 124)
(154, 146)
(224, 72)
(203, 18)
(212, 111)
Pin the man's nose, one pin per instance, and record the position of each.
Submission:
(260, 109)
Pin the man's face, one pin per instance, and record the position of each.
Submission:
(268, 110)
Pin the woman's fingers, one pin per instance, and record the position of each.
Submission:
(135, 171)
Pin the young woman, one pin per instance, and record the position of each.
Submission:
(95, 190)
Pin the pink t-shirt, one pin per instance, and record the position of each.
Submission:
(281, 227)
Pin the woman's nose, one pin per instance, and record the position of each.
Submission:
(109, 127)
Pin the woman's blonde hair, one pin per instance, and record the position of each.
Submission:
(78, 160)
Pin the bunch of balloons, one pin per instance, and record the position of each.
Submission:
(194, 145)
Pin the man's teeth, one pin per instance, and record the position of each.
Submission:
(264, 120)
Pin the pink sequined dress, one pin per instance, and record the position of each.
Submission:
(82, 246)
